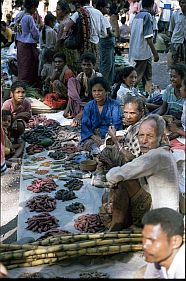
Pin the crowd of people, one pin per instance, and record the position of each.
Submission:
(138, 163)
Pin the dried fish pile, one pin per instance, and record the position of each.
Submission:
(42, 222)
(35, 120)
(75, 208)
(74, 184)
(57, 155)
(62, 136)
(65, 195)
(38, 134)
(69, 148)
(89, 223)
(41, 203)
(34, 148)
(41, 185)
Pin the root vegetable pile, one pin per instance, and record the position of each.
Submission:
(75, 208)
(41, 185)
(89, 223)
(57, 155)
(42, 222)
(74, 184)
(65, 195)
(41, 203)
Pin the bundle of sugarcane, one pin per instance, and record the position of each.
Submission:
(55, 249)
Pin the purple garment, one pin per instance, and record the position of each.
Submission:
(75, 105)
(30, 32)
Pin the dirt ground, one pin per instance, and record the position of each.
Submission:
(10, 181)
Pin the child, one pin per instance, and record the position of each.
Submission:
(47, 69)
(124, 31)
(78, 92)
(47, 38)
(19, 107)
(12, 151)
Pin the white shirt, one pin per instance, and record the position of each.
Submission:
(175, 271)
(51, 38)
(97, 23)
(167, 6)
(123, 91)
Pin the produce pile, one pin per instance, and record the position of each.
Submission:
(75, 208)
(89, 223)
(74, 184)
(55, 249)
(41, 185)
(65, 195)
(41, 203)
(42, 222)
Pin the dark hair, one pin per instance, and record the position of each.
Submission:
(6, 113)
(64, 6)
(147, 3)
(48, 55)
(101, 4)
(99, 80)
(60, 55)
(180, 68)
(87, 56)
(28, 4)
(125, 72)
(3, 23)
(135, 99)
(18, 84)
(48, 18)
(123, 20)
(184, 81)
(170, 221)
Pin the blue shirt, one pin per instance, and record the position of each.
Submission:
(30, 32)
(92, 119)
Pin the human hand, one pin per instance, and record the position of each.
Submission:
(112, 176)
(156, 57)
(173, 127)
(112, 132)
(75, 122)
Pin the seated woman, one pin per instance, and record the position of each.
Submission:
(173, 127)
(20, 108)
(78, 92)
(172, 100)
(12, 151)
(99, 114)
(126, 80)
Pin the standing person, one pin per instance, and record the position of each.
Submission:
(166, 8)
(93, 26)
(63, 18)
(134, 9)
(6, 34)
(157, 165)
(178, 34)
(141, 44)
(47, 38)
(124, 31)
(163, 245)
(26, 41)
(106, 46)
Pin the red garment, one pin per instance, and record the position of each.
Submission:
(175, 144)
(54, 101)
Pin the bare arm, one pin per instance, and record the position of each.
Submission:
(152, 47)
(162, 109)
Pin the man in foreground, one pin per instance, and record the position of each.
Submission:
(163, 245)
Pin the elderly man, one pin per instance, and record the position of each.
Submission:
(156, 166)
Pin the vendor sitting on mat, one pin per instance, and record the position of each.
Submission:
(99, 114)
(20, 108)
(156, 166)
(12, 151)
